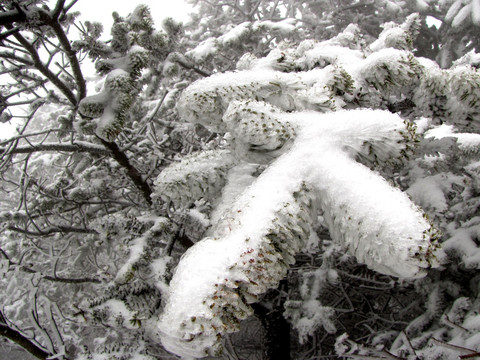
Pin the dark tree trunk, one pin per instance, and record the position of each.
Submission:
(276, 330)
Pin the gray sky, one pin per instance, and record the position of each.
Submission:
(101, 10)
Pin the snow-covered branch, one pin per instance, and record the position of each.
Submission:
(55, 147)
(20, 339)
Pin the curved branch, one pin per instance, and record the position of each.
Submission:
(23, 341)
(190, 66)
(40, 66)
(57, 147)
(72, 58)
(132, 172)
(52, 230)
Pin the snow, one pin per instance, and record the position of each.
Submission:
(159, 268)
(119, 313)
(370, 219)
(315, 316)
(467, 142)
(239, 178)
(184, 182)
(137, 248)
(462, 16)
(380, 226)
(283, 121)
(462, 243)
(476, 12)
(105, 121)
(320, 56)
(422, 5)
(203, 50)
(380, 64)
(285, 26)
(453, 10)
(387, 38)
(428, 194)
(234, 34)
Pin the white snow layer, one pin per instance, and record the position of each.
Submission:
(276, 112)
(236, 34)
(467, 142)
(373, 221)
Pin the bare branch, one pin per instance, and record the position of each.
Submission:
(58, 9)
(69, 6)
(40, 66)
(190, 66)
(132, 172)
(6, 34)
(23, 341)
(72, 58)
(56, 147)
(52, 230)
(12, 16)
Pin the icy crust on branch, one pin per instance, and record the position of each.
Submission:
(463, 12)
(278, 111)
(363, 213)
(398, 36)
(257, 125)
(237, 34)
(134, 47)
(217, 278)
(200, 175)
(253, 244)
(342, 72)
(206, 101)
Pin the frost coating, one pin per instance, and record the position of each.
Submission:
(278, 111)
(252, 246)
(184, 182)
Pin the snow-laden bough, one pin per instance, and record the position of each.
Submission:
(250, 249)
